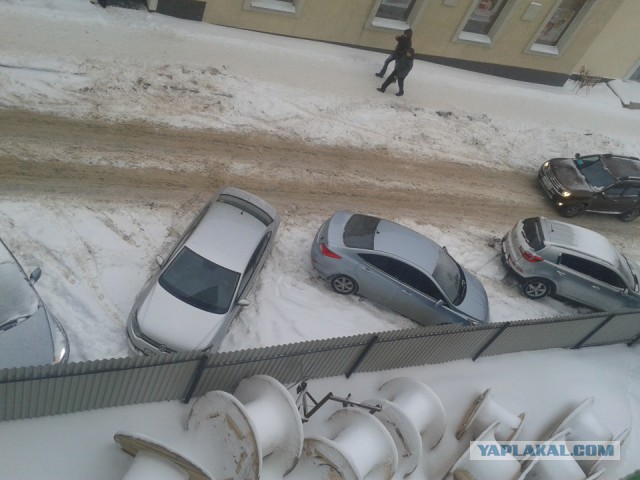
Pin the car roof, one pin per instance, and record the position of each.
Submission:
(580, 239)
(405, 243)
(18, 298)
(227, 236)
(621, 167)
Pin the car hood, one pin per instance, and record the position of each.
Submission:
(476, 302)
(18, 300)
(569, 176)
(171, 322)
(28, 343)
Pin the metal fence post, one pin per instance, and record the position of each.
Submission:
(362, 356)
(202, 363)
(633, 340)
(502, 328)
(593, 332)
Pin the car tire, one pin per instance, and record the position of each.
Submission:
(536, 288)
(569, 211)
(344, 285)
(630, 214)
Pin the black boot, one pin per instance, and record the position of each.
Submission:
(386, 83)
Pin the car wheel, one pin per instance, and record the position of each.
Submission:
(572, 210)
(536, 288)
(344, 285)
(630, 214)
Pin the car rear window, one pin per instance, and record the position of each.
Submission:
(532, 231)
(359, 232)
(248, 207)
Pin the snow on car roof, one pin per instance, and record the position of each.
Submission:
(581, 239)
(622, 166)
(227, 236)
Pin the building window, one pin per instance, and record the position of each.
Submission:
(559, 22)
(559, 27)
(287, 7)
(395, 9)
(484, 16)
(396, 14)
(484, 20)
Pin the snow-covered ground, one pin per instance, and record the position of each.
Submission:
(71, 58)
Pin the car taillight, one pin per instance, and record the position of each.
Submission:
(328, 253)
(530, 257)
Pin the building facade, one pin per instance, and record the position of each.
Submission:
(543, 41)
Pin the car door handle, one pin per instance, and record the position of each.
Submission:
(561, 274)
(595, 287)
(406, 293)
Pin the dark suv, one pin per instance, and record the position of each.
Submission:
(594, 183)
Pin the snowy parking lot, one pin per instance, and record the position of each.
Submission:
(117, 125)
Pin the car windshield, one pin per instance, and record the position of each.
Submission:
(449, 275)
(199, 282)
(360, 231)
(594, 171)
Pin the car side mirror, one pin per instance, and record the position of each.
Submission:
(440, 303)
(159, 260)
(625, 291)
(243, 302)
(35, 275)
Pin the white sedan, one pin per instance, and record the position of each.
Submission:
(190, 302)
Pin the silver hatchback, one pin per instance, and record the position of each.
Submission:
(398, 268)
(550, 257)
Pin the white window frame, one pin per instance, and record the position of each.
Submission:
(479, 38)
(397, 25)
(567, 37)
(634, 69)
(292, 8)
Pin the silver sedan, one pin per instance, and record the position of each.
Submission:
(397, 268)
(190, 302)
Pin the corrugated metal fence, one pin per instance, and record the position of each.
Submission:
(56, 389)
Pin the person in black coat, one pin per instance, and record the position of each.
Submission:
(404, 44)
(404, 65)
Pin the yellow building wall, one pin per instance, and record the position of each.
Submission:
(617, 48)
(435, 31)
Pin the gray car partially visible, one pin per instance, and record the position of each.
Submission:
(398, 268)
(29, 333)
(556, 258)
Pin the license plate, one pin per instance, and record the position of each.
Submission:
(546, 185)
